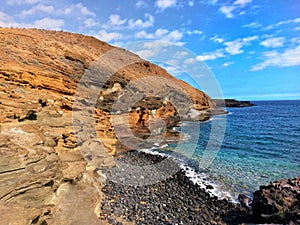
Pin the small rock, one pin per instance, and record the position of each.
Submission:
(209, 187)
(43, 103)
(31, 115)
(50, 142)
(244, 200)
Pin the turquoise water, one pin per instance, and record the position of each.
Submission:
(261, 144)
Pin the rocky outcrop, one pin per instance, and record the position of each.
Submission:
(45, 176)
(278, 202)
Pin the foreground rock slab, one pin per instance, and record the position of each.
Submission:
(278, 202)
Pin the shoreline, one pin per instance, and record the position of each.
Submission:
(180, 199)
(175, 200)
(200, 178)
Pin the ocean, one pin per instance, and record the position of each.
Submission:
(261, 144)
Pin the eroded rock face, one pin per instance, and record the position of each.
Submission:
(48, 174)
(41, 165)
(56, 61)
(278, 202)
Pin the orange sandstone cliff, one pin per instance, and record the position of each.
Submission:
(45, 176)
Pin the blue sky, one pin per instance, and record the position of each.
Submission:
(251, 46)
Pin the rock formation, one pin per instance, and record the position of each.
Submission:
(45, 177)
(278, 202)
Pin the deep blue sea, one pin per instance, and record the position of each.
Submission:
(261, 144)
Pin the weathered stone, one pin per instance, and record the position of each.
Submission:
(278, 202)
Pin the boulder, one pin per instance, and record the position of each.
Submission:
(278, 202)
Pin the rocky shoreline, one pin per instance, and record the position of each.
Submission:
(155, 199)
(176, 200)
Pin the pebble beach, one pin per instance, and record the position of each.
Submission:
(175, 200)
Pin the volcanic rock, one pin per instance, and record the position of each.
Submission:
(278, 202)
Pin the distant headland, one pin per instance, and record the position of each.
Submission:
(231, 103)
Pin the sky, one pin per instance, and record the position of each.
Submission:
(252, 47)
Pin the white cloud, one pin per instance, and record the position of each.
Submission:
(290, 57)
(273, 42)
(211, 55)
(146, 53)
(161, 34)
(191, 3)
(297, 28)
(272, 26)
(253, 25)
(235, 47)
(45, 23)
(22, 2)
(217, 39)
(174, 36)
(6, 20)
(79, 8)
(141, 4)
(84, 10)
(227, 10)
(295, 41)
(242, 3)
(38, 8)
(231, 47)
(49, 23)
(249, 39)
(157, 47)
(140, 23)
(163, 4)
(151, 49)
(180, 54)
(90, 23)
(189, 61)
(191, 32)
(117, 23)
(227, 64)
(108, 36)
(114, 22)
(144, 34)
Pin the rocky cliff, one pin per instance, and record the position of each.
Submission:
(45, 178)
